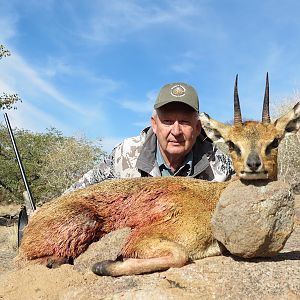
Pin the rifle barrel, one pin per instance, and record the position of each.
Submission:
(32, 204)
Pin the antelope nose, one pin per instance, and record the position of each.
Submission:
(253, 161)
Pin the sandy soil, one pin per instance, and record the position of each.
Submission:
(222, 277)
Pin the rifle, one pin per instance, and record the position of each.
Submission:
(23, 216)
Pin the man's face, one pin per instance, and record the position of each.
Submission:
(176, 128)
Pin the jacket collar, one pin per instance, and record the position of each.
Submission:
(146, 160)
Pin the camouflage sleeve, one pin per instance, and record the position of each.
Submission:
(101, 172)
(221, 165)
(120, 164)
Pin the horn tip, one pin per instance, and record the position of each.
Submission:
(236, 80)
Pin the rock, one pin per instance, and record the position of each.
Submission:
(296, 187)
(108, 247)
(8, 220)
(254, 219)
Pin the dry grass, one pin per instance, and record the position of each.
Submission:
(8, 247)
(9, 237)
(12, 238)
(10, 209)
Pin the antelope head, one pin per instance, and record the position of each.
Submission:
(253, 145)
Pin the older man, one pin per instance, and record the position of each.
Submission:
(172, 146)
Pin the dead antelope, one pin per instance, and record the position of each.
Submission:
(169, 217)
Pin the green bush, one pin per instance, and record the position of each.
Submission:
(52, 162)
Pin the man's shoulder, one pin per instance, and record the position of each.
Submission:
(125, 155)
(131, 144)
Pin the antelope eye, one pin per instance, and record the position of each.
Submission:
(230, 145)
(233, 147)
(272, 145)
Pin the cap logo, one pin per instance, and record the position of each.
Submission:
(177, 90)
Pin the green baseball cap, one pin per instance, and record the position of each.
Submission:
(177, 92)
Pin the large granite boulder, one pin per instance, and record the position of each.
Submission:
(254, 219)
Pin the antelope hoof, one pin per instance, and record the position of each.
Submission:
(104, 268)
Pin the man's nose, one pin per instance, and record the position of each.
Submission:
(176, 128)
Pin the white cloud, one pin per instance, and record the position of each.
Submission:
(30, 117)
(17, 76)
(114, 20)
(41, 98)
(7, 27)
(56, 67)
(138, 106)
(5, 87)
(59, 67)
(22, 72)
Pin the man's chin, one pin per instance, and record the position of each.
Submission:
(177, 150)
(176, 144)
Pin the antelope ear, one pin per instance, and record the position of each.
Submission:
(215, 130)
(290, 122)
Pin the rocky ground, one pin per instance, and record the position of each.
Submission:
(222, 277)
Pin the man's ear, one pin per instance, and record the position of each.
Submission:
(153, 124)
(216, 131)
(198, 127)
(290, 122)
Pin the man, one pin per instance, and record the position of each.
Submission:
(172, 146)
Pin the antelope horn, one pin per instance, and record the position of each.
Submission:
(237, 109)
(266, 111)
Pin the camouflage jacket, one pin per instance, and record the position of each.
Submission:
(136, 157)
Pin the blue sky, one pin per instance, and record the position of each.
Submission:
(95, 67)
